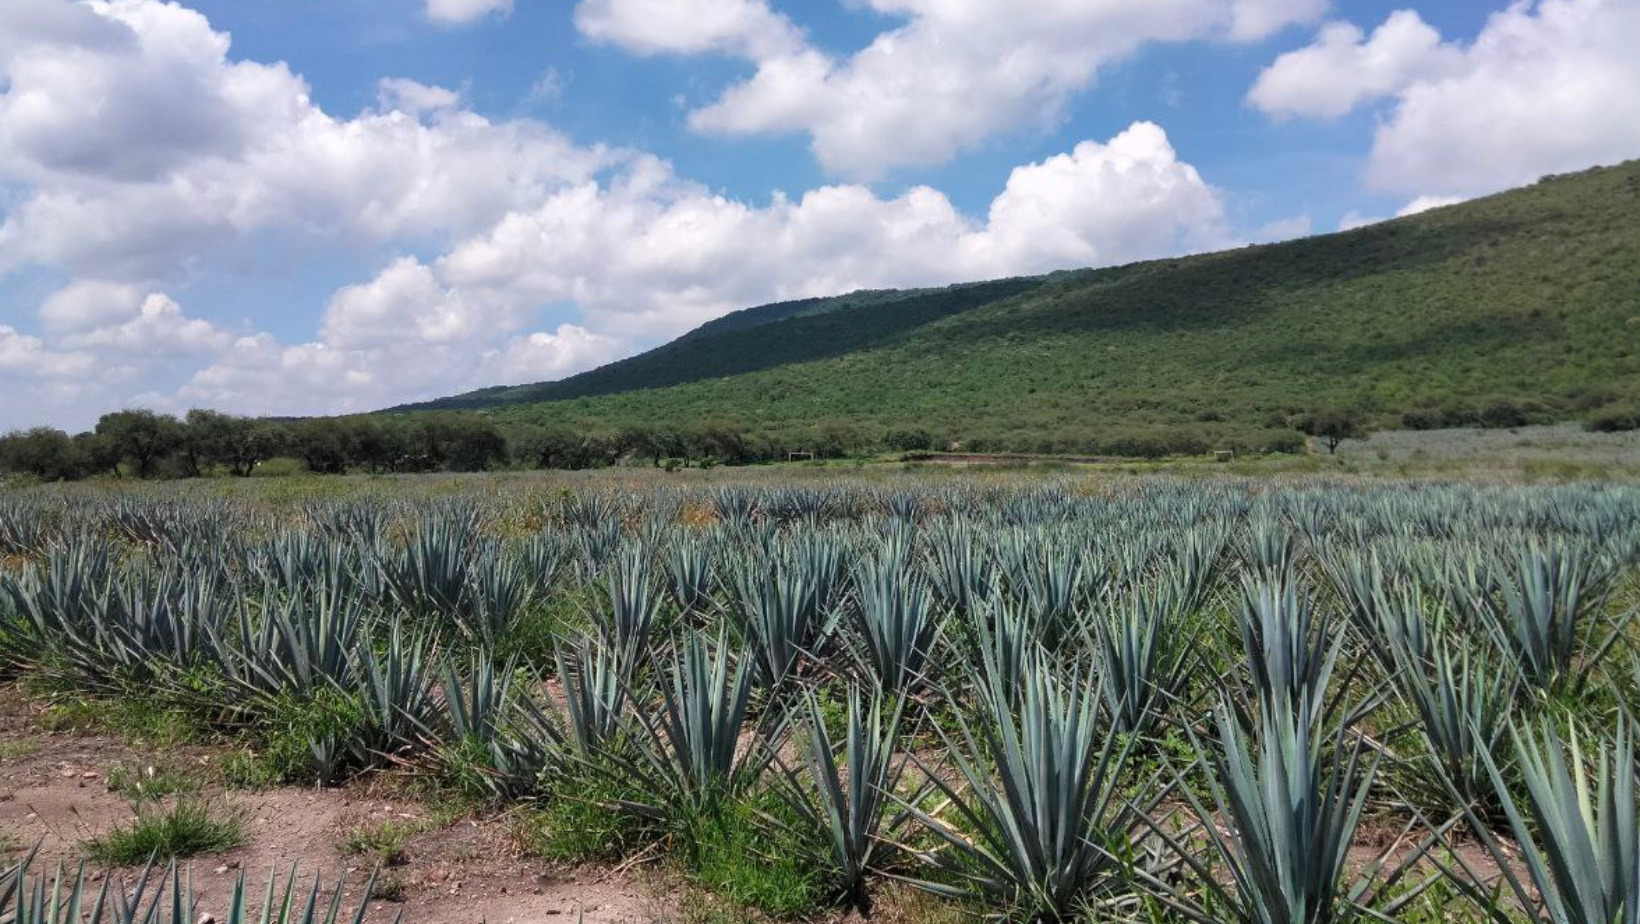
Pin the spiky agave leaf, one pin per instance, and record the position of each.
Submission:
(596, 681)
(895, 617)
(850, 786)
(1577, 829)
(1037, 818)
(779, 614)
(1144, 656)
(1291, 650)
(165, 897)
(1463, 700)
(692, 755)
(1285, 811)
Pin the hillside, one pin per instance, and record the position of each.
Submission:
(1521, 307)
(757, 338)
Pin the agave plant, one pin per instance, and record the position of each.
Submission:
(397, 691)
(896, 619)
(1036, 816)
(596, 688)
(300, 645)
(689, 565)
(633, 604)
(1001, 641)
(495, 728)
(693, 756)
(1463, 701)
(850, 787)
(1144, 655)
(1290, 650)
(780, 616)
(163, 898)
(1285, 811)
(1549, 614)
(1577, 831)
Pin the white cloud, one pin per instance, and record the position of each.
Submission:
(955, 73)
(542, 356)
(1546, 87)
(648, 255)
(87, 303)
(1340, 70)
(502, 224)
(742, 27)
(413, 98)
(1353, 220)
(158, 329)
(461, 12)
(1425, 203)
(146, 151)
(21, 354)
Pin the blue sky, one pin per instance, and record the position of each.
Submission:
(362, 202)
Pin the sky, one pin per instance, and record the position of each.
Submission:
(333, 206)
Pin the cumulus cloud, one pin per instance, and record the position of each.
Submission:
(461, 12)
(648, 255)
(742, 27)
(413, 98)
(659, 253)
(1345, 68)
(21, 354)
(87, 303)
(1425, 203)
(955, 73)
(1547, 86)
(145, 147)
(157, 329)
(524, 255)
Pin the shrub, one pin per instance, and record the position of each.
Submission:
(1617, 419)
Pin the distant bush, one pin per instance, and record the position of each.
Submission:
(1615, 419)
(1422, 418)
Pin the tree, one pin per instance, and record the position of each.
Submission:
(324, 443)
(237, 444)
(97, 453)
(1333, 426)
(42, 452)
(141, 437)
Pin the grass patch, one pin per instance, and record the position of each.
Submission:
(580, 819)
(294, 723)
(187, 828)
(388, 889)
(750, 852)
(17, 750)
(247, 770)
(385, 842)
(150, 783)
(140, 722)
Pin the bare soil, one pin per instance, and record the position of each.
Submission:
(54, 794)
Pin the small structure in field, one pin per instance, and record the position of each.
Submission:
(1224, 455)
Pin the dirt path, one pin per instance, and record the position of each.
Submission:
(54, 792)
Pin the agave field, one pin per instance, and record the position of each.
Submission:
(1151, 699)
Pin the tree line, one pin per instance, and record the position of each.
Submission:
(148, 444)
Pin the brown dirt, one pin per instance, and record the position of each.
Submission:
(54, 793)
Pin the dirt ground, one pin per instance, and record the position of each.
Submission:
(54, 793)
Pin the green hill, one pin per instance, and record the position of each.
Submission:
(1520, 307)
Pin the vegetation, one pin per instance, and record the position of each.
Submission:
(1503, 311)
(1144, 699)
(1506, 311)
(186, 828)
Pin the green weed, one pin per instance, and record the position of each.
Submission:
(188, 828)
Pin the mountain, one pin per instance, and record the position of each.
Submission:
(1519, 307)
